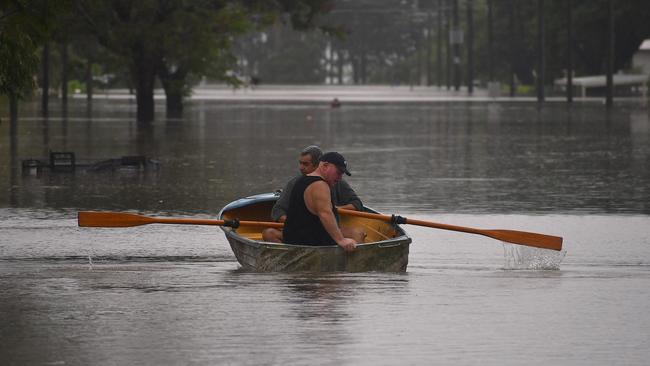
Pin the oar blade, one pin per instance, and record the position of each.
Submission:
(110, 219)
(526, 238)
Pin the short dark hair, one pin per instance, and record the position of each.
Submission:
(314, 152)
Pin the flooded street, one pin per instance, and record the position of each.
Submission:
(169, 295)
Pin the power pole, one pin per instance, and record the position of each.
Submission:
(609, 101)
(64, 75)
(490, 41)
(540, 51)
(511, 24)
(569, 67)
(457, 41)
(448, 44)
(470, 47)
(45, 82)
(439, 47)
(429, 36)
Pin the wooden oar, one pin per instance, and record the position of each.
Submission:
(510, 236)
(120, 219)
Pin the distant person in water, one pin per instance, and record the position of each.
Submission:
(310, 218)
(343, 196)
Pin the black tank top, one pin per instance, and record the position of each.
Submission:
(302, 227)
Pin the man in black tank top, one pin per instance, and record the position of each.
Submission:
(310, 218)
(343, 196)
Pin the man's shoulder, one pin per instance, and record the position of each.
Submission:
(316, 181)
(317, 191)
(292, 182)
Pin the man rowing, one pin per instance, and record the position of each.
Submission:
(343, 196)
(310, 218)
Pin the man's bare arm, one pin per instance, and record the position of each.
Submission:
(318, 202)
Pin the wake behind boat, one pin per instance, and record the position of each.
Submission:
(386, 248)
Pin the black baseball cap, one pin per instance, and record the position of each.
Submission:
(337, 159)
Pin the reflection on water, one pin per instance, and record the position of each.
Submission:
(475, 157)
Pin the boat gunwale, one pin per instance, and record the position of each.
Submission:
(398, 240)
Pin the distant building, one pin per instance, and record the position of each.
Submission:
(624, 84)
(641, 59)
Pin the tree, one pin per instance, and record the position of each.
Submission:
(23, 26)
(184, 39)
(282, 55)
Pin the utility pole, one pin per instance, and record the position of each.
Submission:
(439, 45)
(540, 51)
(64, 75)
(609, 101)
(457, 35)
(569, 67)
(512, 46)
(490, 41)
(45, 82)
(470, 47)
(448, 43)
(429, 36)
(89, 81)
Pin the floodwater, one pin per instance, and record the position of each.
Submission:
(169, 295)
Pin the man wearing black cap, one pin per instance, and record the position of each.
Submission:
(343, 196)
(310, 218)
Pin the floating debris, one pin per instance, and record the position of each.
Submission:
(66, 162)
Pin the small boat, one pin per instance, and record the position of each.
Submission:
(386, 248)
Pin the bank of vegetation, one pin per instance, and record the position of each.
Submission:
(68, 46)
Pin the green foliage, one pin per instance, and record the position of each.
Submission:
(23, 26)
(281, 55)
(518, 42)
(18, 62)
(181, 41)
(74, 85)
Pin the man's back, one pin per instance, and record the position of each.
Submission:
(302, 226)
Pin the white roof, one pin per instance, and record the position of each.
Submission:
(645, 46)
(601, 80)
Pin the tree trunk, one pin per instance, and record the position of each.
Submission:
(143, 75)
(144, 99)
(144, 82)
(13, 110)
(174, 104)
(174, 84)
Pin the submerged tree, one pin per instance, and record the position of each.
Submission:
(179, 41)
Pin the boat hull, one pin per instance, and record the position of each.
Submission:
(387, 255)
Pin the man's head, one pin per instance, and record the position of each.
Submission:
(309, 158)
(332, 166)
